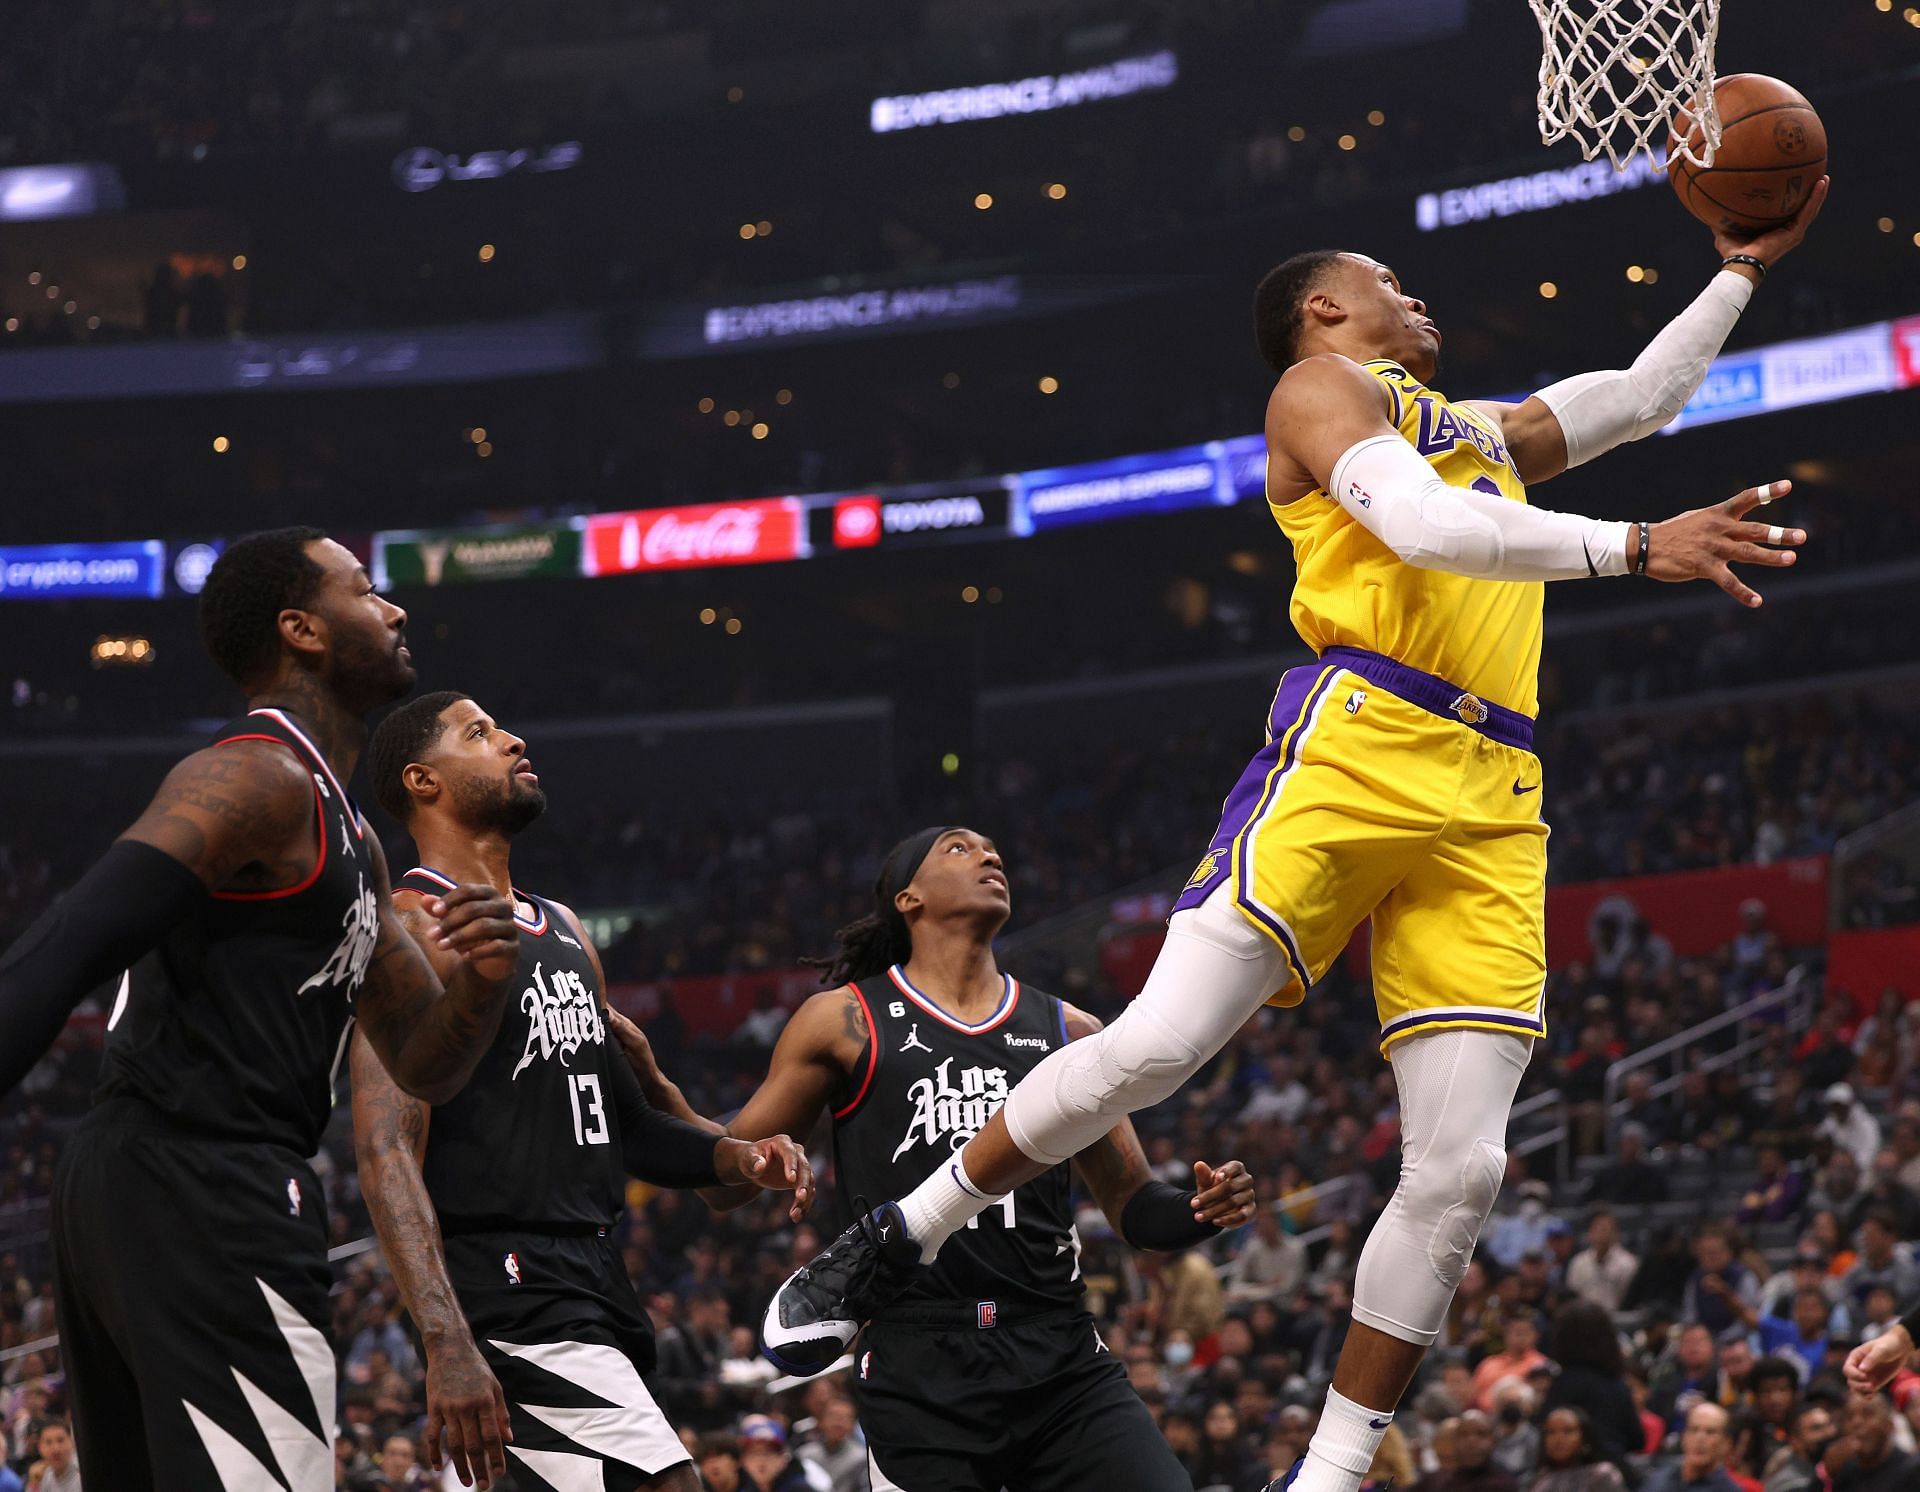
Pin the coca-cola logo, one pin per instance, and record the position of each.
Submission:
(690, 538)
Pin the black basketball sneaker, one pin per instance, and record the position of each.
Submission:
(817, 1313)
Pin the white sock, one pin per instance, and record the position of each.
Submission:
(941, 1205)
(1342, 1449)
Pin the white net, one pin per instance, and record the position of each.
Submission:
(1615, 72)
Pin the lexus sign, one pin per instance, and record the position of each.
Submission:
(758, 532)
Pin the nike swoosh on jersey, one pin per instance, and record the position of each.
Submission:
(1519, 791)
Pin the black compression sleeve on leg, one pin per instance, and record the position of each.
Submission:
(116, 912)
(657, 1147)
(1161, 1217)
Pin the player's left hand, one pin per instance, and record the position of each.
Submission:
(1223, 1195)
(775, 1164)
(1774, 245)
(477, 926)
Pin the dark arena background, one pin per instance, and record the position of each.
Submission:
(806, 423)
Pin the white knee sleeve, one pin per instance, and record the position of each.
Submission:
(1456, 1090)
(1215, 970)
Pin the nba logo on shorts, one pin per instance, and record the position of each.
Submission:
(988, 1314)
(512, 1263)
(293, 1195)
(866, 1365)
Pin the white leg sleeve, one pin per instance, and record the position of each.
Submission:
(1215, 970)
(1456, 1090)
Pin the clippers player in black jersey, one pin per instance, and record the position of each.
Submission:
(988, 1372)
(249, 904)
(518, 1285)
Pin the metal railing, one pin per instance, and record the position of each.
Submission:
(1795, 998)
(1557, 1136)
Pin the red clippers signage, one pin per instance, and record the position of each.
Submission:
(743, 533)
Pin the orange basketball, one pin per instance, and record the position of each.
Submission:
(1773, 148)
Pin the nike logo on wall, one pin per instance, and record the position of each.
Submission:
(1520, 792)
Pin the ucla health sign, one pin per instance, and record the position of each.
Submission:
(45, 572)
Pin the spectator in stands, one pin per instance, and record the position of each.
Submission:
(400, 1469)
(1905, 1144)
(1601, 1272)
(1800, 1339)
(1640, 1105)
(1227, 1458)
(1592, 1378)
(1789, 1116)
(1569, 1460)
(1850, 1126)
(719, 1458)
(1705, 1445)
(1755, 940)
(1883, 1260)
(1518, 1356)
(59, 1471)
(382, 1333)
(1653, 1429)
(1824, 1056)
(838, 1449)
(762, 1025)
(1272, 1263)
(1722, 1291)
(1690, 1376)
(1473, 1469)
(1795, 1466)
(766, 1465)
(1808, 1271)
(1885, 1192)
(1630, 1181)
(1879, 1314)
(1776, 1388)
(1516, 1443)
(1837, 1186)
(1874, 1465)
(1514, 1234)
(1736, 1370)
(1392, 1463)
(1778, 1190)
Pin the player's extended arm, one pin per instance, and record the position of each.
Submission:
(811, 1063)
(683, 1150)
(1151, 1214)
(1327, 422)
(218, 811)
(389, 1142)
(1573, 421)
(431, 1021)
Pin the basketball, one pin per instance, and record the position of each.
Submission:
(1773, 148)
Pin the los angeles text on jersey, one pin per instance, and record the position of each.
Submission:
(942, 1111)
(562, 1016)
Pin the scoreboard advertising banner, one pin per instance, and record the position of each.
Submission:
(456, 556)
(45, 572)
(756, 532)
(908, 517)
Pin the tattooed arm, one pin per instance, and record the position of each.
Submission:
(813, 1070)
(1149, 1213)
(438, 982)
(390, 1142)
(239, 814)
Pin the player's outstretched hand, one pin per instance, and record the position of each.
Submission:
(1773, 245)
(1871, 1365)
(476, 924)
(1223, 1195)
(1702, 544)
(775, 1164)
(464, 1401)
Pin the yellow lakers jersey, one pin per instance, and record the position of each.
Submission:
(1352, 591)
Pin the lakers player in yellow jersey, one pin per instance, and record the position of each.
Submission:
(1398, 783)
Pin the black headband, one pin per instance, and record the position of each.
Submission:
(903, 862)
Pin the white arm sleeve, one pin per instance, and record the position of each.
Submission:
(1399, 499)
(1598, 411)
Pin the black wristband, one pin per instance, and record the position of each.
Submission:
(1758, 264)
(1161, 1217)
(1646, 540)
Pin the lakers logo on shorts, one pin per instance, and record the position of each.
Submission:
(1204, 871)
(1471, 709)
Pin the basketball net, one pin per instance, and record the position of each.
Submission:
(1615, 72)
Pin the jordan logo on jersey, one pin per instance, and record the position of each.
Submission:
(562, 1016)
(944, 1112)
(913, 1043)
(348, 963)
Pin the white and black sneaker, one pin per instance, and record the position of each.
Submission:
(817, 1313)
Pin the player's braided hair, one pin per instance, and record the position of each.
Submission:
(874, 943)
(1279, 305)
(402, 739)
(248, 587)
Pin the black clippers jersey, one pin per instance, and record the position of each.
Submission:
(533, 1141)
(234, 1026)
(926, 1084)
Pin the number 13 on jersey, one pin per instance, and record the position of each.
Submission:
(589, 1113)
